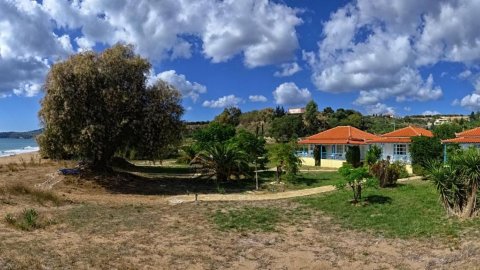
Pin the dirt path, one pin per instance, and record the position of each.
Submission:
(250, 197)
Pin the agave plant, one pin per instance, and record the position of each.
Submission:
(221, 161)
(458, 182)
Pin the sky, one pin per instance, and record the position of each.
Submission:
(398, 57)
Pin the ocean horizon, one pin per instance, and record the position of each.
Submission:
(11, 147)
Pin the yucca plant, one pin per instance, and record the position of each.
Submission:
(457, 181)
(221, 161)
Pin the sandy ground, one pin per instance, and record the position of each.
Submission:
(146, 232)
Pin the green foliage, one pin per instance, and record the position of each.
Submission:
(213, 133)
(247, 219)
(373, 155)
(311, 118)
(458, 182)
(283, 156)
(28, 220)
(253, 146)
(353, 156)
(187, 154)
(424, 150)
(446, 131)
(96, 104)
(286, 128)
(222, 161)
(411, 210)
(388, 173)
(355, 178)
(229, 116)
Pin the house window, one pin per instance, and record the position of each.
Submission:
(400, 149)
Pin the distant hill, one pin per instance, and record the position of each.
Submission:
(20, 135)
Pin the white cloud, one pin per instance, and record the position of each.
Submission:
(376, 48)
(380, 108)
(407, 109)
(465, 74)
(429, 113)
(471, 102)
(289, 94)
(262, 31)
(188, 89)
(27, 45)
(288, 69)
(225, 101)
(257, 98)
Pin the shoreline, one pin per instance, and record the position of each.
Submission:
(18, 158)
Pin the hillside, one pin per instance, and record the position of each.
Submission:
(20, 135)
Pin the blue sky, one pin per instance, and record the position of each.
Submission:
(388, 56)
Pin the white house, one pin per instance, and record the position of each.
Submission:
(465, 139)
(395, 145)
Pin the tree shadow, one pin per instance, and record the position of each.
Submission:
(150, 180)
(378, 199)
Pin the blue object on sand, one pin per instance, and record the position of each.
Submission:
(69, 171)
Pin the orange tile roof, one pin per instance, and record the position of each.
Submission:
(340, 135)
(402, 135)
(467, 136)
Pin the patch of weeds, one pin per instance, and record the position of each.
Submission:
(248, 219)
(40, 196)
(12, 167)
(28, 220)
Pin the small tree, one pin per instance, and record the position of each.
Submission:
(373, 155)
(353, 156)
(356, 179)
(283, 155)
(458, 182)
(311, 118)
(221, 161)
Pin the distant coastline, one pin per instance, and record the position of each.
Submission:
(20, 135)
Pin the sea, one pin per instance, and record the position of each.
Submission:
(11, 147)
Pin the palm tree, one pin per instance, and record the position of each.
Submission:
(221, 161)
(458, 182)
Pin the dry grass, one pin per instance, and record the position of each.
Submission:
(41, 197)
(135, 231)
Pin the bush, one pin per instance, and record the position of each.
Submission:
(28, 220)
(388, 173)
(418, 170)
(353, 156)
(424, 150)
(373, 155)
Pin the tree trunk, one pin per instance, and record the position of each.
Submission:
(469, 209)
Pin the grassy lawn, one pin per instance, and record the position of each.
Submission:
(314, 179)
(408, 210)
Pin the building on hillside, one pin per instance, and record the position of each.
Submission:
(450, 118)
(296, 111)
(465, 139)
(395, 145)
(333, 144)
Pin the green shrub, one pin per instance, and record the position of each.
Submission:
(388, 173)
(356, 179)
(418, 170)
(373, 155)
(28, 220)
(353, 156)
(425, 149)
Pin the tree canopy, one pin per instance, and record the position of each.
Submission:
(97, 104)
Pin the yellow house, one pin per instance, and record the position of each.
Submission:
(333, 145)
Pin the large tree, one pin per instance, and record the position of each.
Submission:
(97, 104)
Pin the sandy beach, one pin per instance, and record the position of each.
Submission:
(20, 157)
